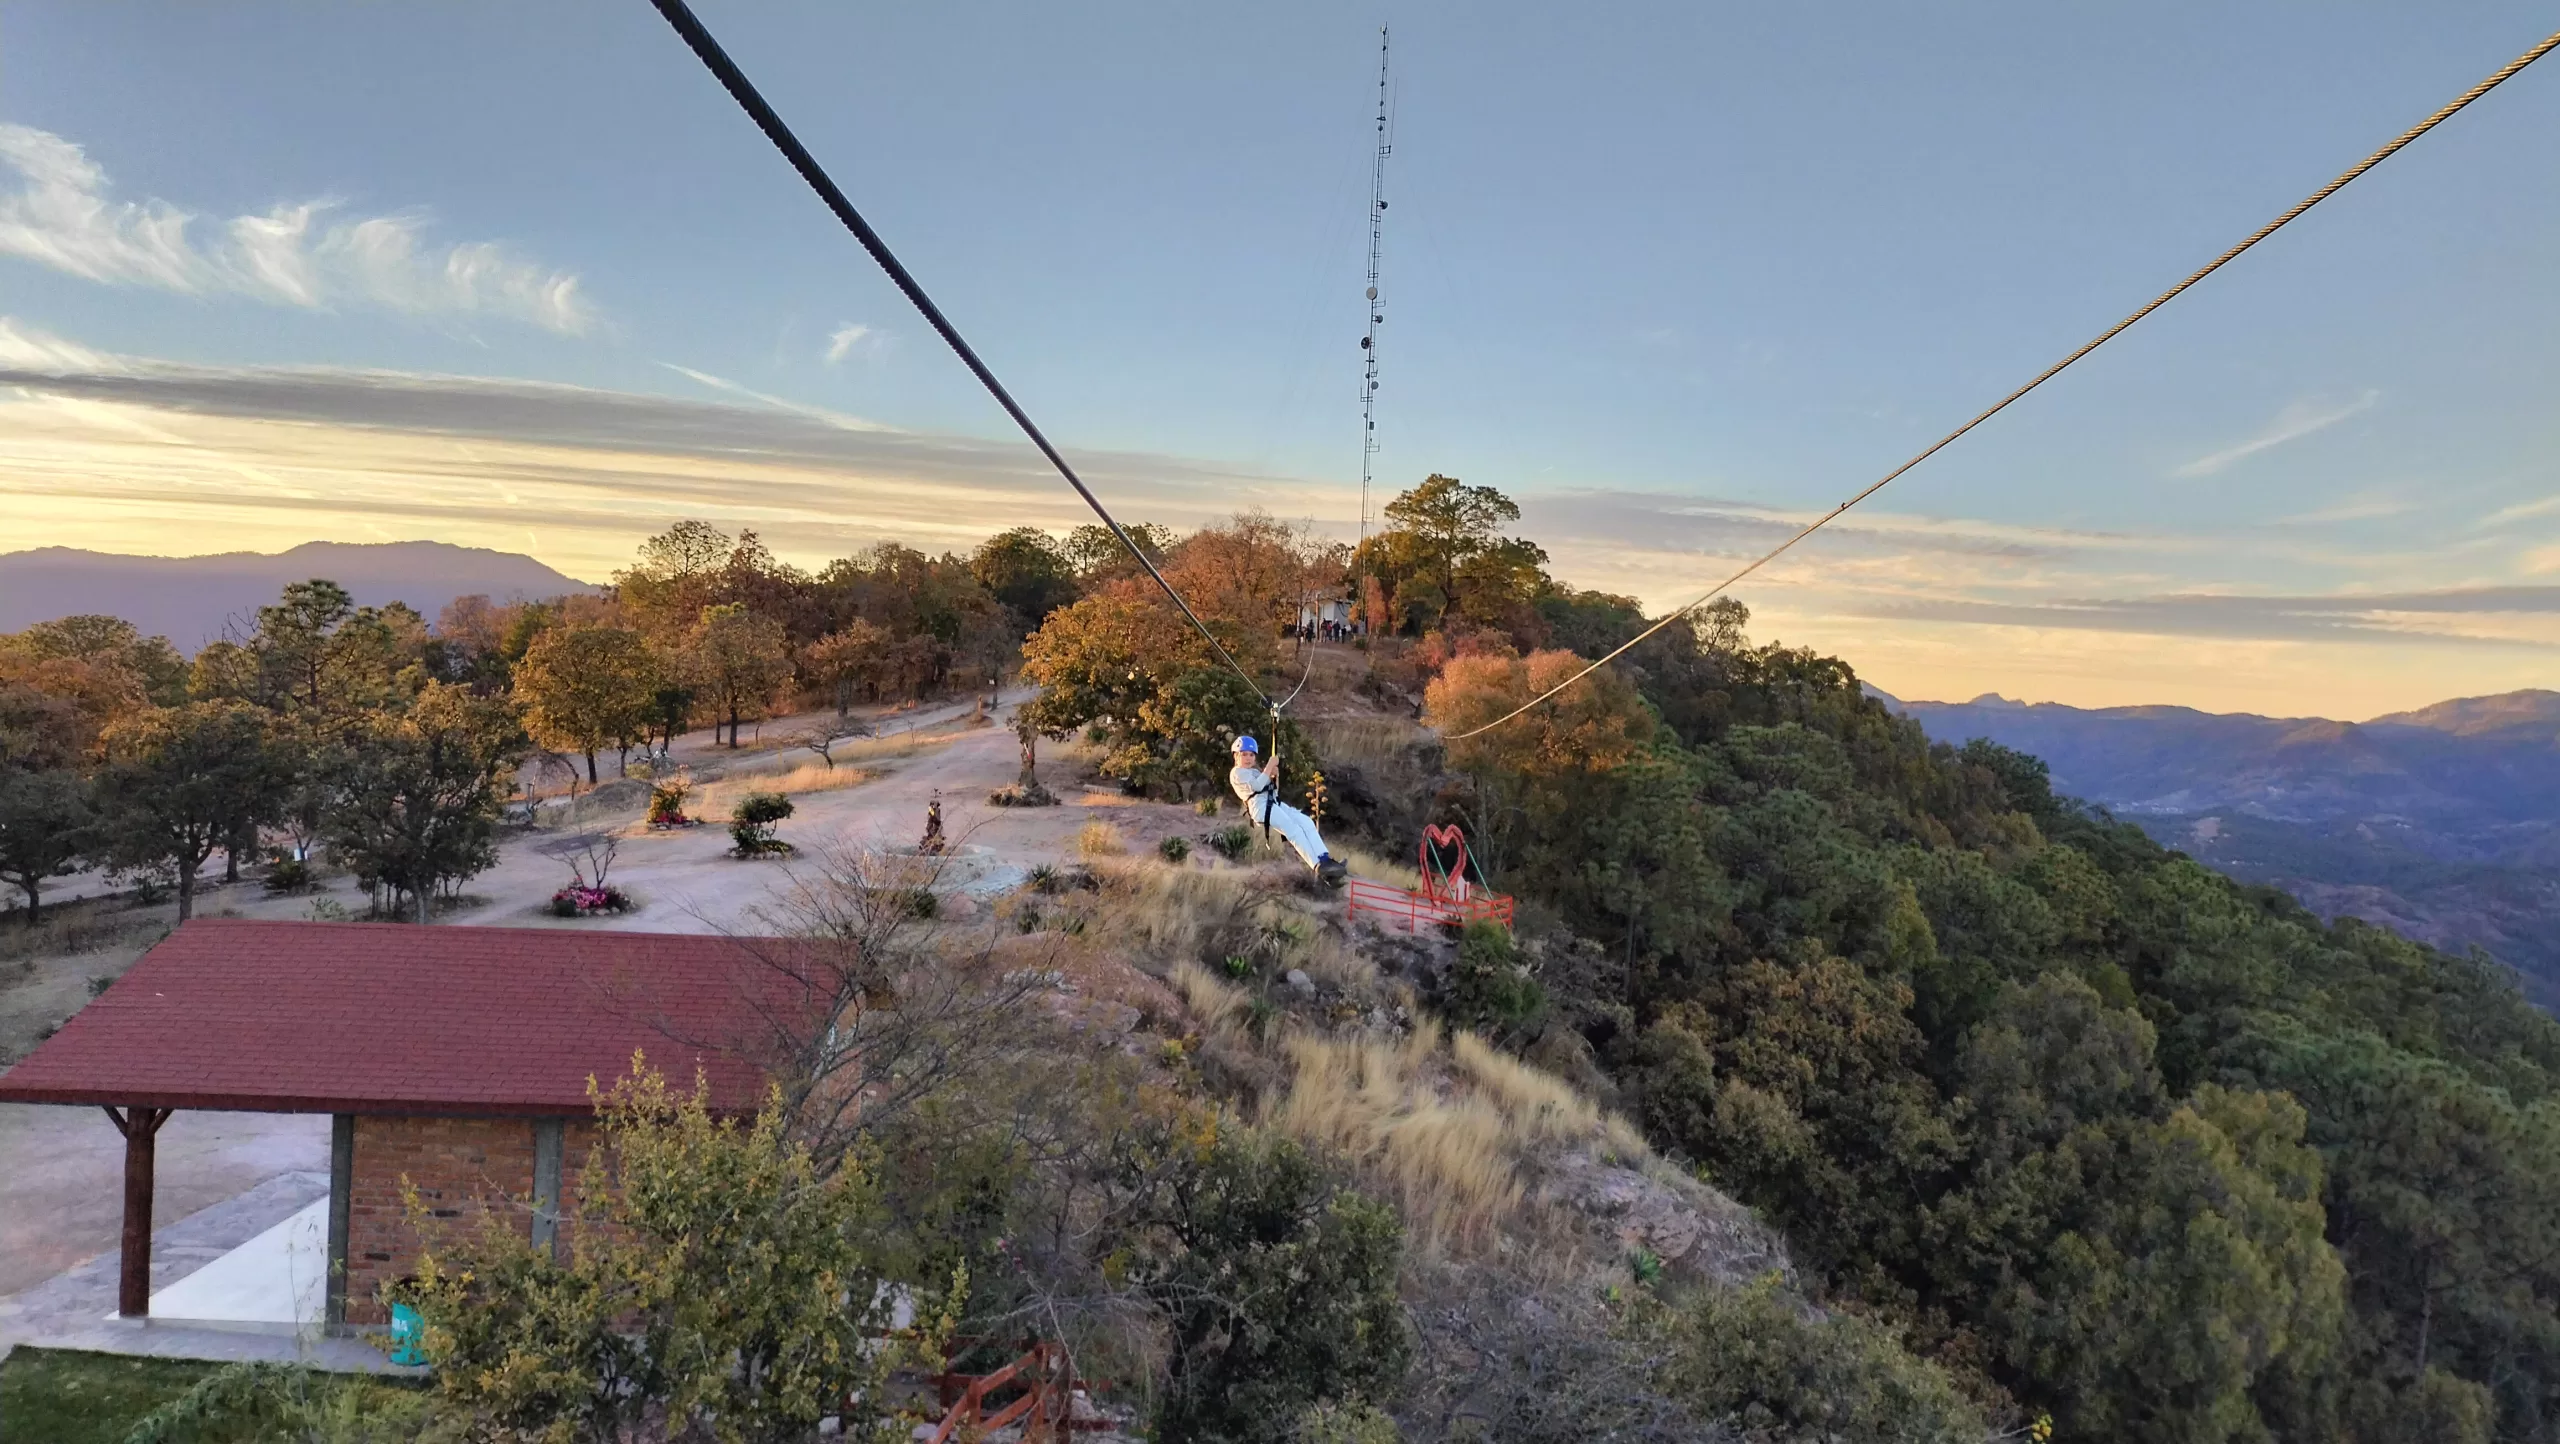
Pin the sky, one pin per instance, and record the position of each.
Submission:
(1677, 277)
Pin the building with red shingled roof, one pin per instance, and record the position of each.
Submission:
(456, 1058)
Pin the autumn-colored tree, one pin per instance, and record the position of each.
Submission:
(736, 661)
(584, 688)
(1099, 557)
(64, 704)
(1253, 572)
(675, 577)
(41, 732)
(1595, 725)
(853, 657)
(1126, 660)
(113, 642)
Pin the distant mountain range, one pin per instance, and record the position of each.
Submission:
(2443, 823)
(191, 600)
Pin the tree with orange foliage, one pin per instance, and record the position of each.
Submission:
(1597, 726)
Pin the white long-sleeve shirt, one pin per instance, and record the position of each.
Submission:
(1249, 783)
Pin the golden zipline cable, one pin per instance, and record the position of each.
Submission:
(2504, 74)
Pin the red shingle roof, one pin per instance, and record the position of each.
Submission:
(312, 1017)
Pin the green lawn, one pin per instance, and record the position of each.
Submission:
(63, 1396)
(68, 1396)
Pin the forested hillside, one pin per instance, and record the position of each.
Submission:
(2135, 1143)
(2439, 823)
(2153, 1149)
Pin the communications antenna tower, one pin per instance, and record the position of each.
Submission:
(1369, 340)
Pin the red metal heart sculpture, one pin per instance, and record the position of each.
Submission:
(1444, 858)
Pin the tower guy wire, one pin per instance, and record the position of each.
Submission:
(1376, 312)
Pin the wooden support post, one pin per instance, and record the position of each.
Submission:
(140, 1126)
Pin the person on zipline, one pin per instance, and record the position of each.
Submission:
(1260, 790)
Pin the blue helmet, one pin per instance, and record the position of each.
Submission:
(1246, 744)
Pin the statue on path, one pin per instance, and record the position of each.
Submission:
(933, 843)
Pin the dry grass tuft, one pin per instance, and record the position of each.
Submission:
(70, 928)
(1165, 911)
(1540, 1105)
(1378, 869)
(1370, 743)
(1100, 839)
(1218, 1005)
(1328, 959)
(1448, 1160)
(714, 800)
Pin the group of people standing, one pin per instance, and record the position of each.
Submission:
(1325, 629)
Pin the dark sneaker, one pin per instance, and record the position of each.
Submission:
(1330, 869)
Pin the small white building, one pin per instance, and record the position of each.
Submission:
(1336, 611)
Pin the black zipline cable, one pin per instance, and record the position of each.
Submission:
(743, 91)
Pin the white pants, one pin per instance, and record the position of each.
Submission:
(1292, 824)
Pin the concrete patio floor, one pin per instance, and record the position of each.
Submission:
(241, 1249)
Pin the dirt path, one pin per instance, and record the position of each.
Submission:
(686, 881)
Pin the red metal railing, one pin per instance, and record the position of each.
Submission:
(1413, 911)
(1045, 1412)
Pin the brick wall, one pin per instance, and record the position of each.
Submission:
(460, 1167)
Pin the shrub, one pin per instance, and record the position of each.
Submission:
(1174, 849)
(922, 905)
(578, 900)
(1100, 839)
(666, 803)
(1277, 1284)
(1489, 985)
(1761, 1360)
(288, 875)
(752, 822)
(1207, 806)
(1231, 842)
(729, 1286)
(1044, 878)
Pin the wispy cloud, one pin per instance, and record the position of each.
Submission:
(144, 455)
(797, 408)
(29, 348)
(2354, 508)
(2294, 422)
(57, 209)
(2542, 506)
(843, 339)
